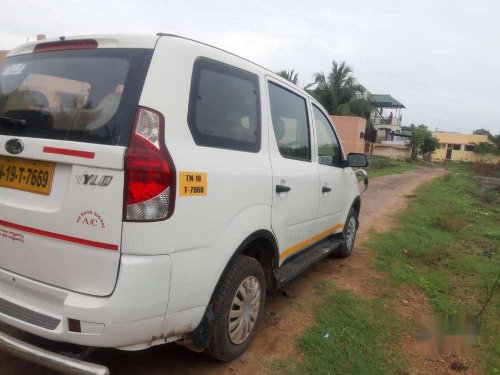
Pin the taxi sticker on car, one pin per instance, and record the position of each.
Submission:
(192, 184)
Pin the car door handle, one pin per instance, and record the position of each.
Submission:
(282, 188)
(325, 189)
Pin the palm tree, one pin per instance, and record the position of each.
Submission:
(290, 75)
(339, 92)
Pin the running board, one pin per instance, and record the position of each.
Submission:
(305, 259)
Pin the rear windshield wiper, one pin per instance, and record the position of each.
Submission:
(12, 120)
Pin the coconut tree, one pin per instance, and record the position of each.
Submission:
(339, 92)
(290, 75)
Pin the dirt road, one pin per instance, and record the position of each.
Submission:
(287, 312)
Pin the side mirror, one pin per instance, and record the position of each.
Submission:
(356, 160)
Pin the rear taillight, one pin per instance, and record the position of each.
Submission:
(149, 171)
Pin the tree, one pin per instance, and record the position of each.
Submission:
(422, 140)
(430, 143)
(339, 92)
(494, 138)
(482, 132)
(290, 75)
(486, 148)
(412, 127)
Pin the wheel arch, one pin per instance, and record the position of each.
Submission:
(262, 237)
(268, 256)
(356, 205)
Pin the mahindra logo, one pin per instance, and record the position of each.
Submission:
(93, 179)
(14, 146)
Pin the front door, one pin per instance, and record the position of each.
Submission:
(334, 179)
(448, 152)
(295, 186)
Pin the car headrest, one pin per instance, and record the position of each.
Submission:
(25, 100)
(105, 111)
(279, 127)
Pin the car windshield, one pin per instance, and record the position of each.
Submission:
(79, 95)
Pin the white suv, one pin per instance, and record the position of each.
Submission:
(152, 188)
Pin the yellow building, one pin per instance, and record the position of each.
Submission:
(457, 146)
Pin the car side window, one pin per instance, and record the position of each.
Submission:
(224, 107)
(328, 145)
(290, 123)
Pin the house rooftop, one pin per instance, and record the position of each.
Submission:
(385, 101)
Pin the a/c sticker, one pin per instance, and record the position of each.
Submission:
(192, 184)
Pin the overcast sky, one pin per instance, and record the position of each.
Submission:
(440, 58)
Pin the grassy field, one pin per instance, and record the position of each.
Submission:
(349, 336)
(447, 246)
(381, 166)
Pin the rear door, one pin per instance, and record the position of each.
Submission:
(295, 176)
(65, 121)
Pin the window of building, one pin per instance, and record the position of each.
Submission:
(328, 145)
(224, 107)
(290, 123)
(457, 147)
(469, 148)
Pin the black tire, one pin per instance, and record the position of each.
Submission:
(221, 346)
(347, 246)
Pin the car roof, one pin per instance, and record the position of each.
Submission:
(143, 41)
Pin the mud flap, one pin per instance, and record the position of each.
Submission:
(199, 339)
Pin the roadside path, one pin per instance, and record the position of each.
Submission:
(287, 312)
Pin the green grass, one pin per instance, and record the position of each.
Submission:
(350, 335)
(381, 166)
(447, 245)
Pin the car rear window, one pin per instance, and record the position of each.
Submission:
(79, 95)
(224, 106)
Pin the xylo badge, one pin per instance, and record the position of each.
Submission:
(93, 179)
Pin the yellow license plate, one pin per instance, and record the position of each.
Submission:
(28, 175)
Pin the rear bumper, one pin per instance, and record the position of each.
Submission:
(131, 317)
(48, 359)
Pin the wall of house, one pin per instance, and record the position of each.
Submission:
(351, 131)
(391, 151)
(462, 155)
(483, 158)
(459, 138)
(458, 142)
